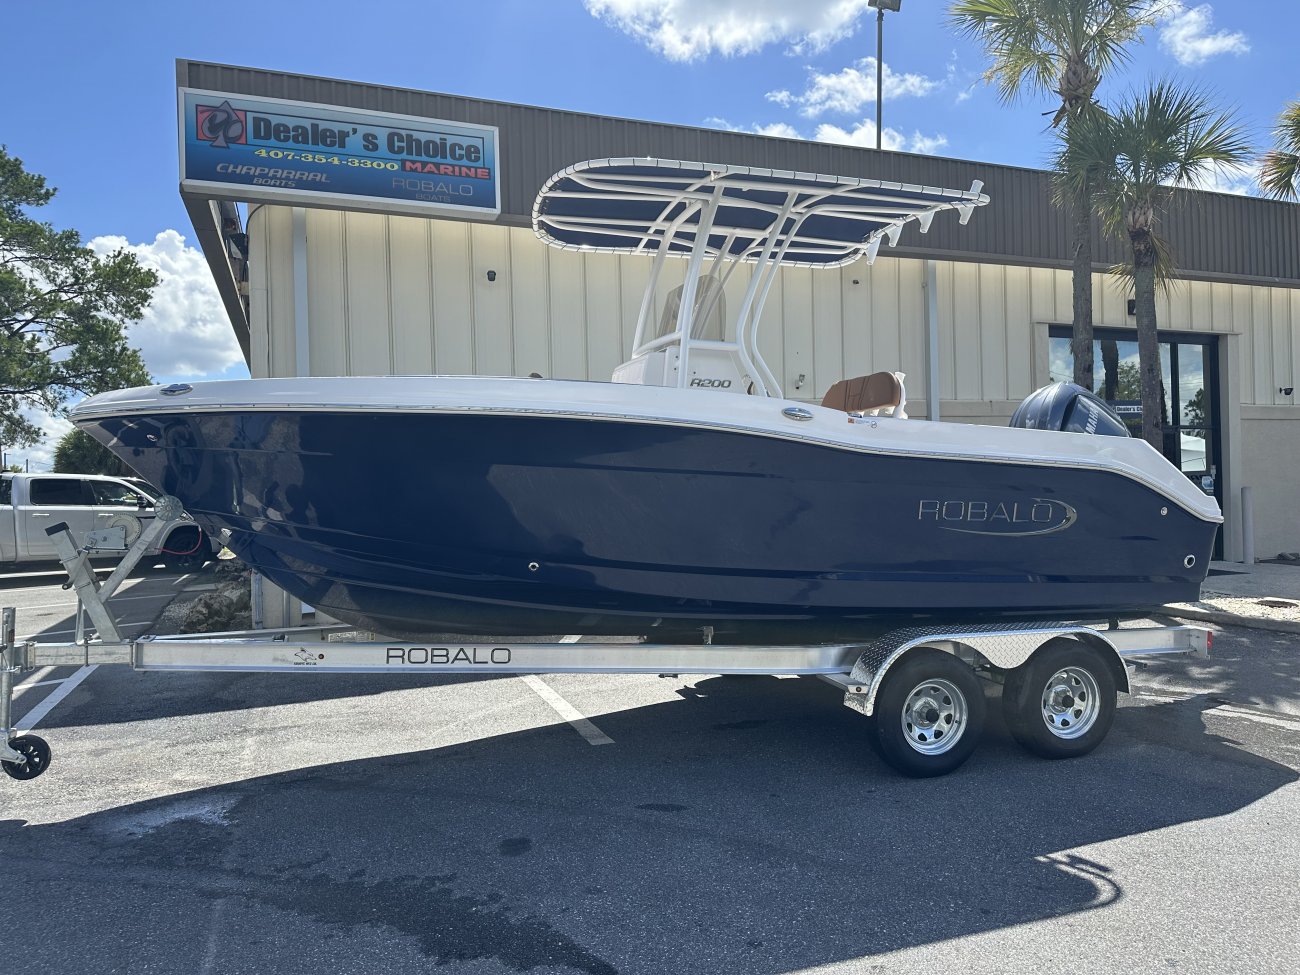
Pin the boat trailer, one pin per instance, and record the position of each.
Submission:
(922, 687)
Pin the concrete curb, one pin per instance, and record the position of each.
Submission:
(1231, 619)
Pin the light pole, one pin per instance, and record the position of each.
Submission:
(881, 6)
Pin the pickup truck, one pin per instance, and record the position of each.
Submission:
(31, 503)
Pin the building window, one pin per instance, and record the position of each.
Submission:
(1187, 366)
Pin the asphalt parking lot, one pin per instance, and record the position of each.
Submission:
(219, 823)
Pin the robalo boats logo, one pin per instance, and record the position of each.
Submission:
(1033, 516)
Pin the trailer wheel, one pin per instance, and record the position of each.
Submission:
(1061, 702)
(36, 752)
(929, 714)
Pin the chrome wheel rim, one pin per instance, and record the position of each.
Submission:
(935, 715)
(1071, 703)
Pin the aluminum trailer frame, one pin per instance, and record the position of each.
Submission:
(861, 670)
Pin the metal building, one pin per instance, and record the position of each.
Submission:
(976, 316)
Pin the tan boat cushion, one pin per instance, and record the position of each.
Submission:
(879, 390)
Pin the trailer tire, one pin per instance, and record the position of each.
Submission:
(929, 714)
(1061, 702)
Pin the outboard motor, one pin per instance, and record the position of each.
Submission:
(1068, 407)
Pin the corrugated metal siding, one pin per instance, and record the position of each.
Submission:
(403, 295)
(1215, 237)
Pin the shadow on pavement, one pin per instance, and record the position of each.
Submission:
(1251, 667)
(741, 828)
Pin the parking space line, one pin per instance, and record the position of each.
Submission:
(36, 680)
(566, 710)
(73, 604)
(571, 638)
(32, 609)
(1291, 724)
(34, 717)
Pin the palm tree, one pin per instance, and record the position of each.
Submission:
(1280, 167)
(1058, 48)
(1152, 144)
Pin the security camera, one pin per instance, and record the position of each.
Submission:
(492, 275)
(1286, 390)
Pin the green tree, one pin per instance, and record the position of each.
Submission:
(1194, 411)
(1061, 49)
(80, 453)
(63, 310)
(1280, 167)
(1155, 142)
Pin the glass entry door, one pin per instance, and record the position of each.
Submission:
(1188, 400)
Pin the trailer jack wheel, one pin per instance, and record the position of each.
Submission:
(929, 714)
(36, 757)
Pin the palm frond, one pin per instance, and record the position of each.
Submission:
(1168, 135)
(1032, 44)
(1279, 173)
(1112, 25)
(1154, 141)
(1166, 268)
(1084, 152)
(1022, 59)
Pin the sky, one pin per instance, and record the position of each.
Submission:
(89, 95)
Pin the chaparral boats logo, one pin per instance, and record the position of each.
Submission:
(221, 124)
(1037, 516)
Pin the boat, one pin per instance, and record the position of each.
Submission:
(688, 494)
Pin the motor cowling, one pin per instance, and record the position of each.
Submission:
(1070, 408)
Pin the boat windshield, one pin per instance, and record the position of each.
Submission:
(709, 319)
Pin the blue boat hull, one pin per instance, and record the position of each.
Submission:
(459, 522)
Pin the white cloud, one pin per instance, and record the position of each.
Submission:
(927, 144)
(717, 122)
(848, 89)
(40, 456)
(1185, 33)
(778, 129)
(1241, 180)
(686, 30)
(184, 331)
(864, 134)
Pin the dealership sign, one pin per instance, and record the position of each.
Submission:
(241, 148)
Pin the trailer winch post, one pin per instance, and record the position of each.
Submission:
(81, 577)
(92, 595)
(8, 667)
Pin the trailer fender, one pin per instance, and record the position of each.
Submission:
(995, 646)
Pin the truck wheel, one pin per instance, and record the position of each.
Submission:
(929, 714)
(1061, 702)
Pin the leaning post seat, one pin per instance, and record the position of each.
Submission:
(881, 393)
